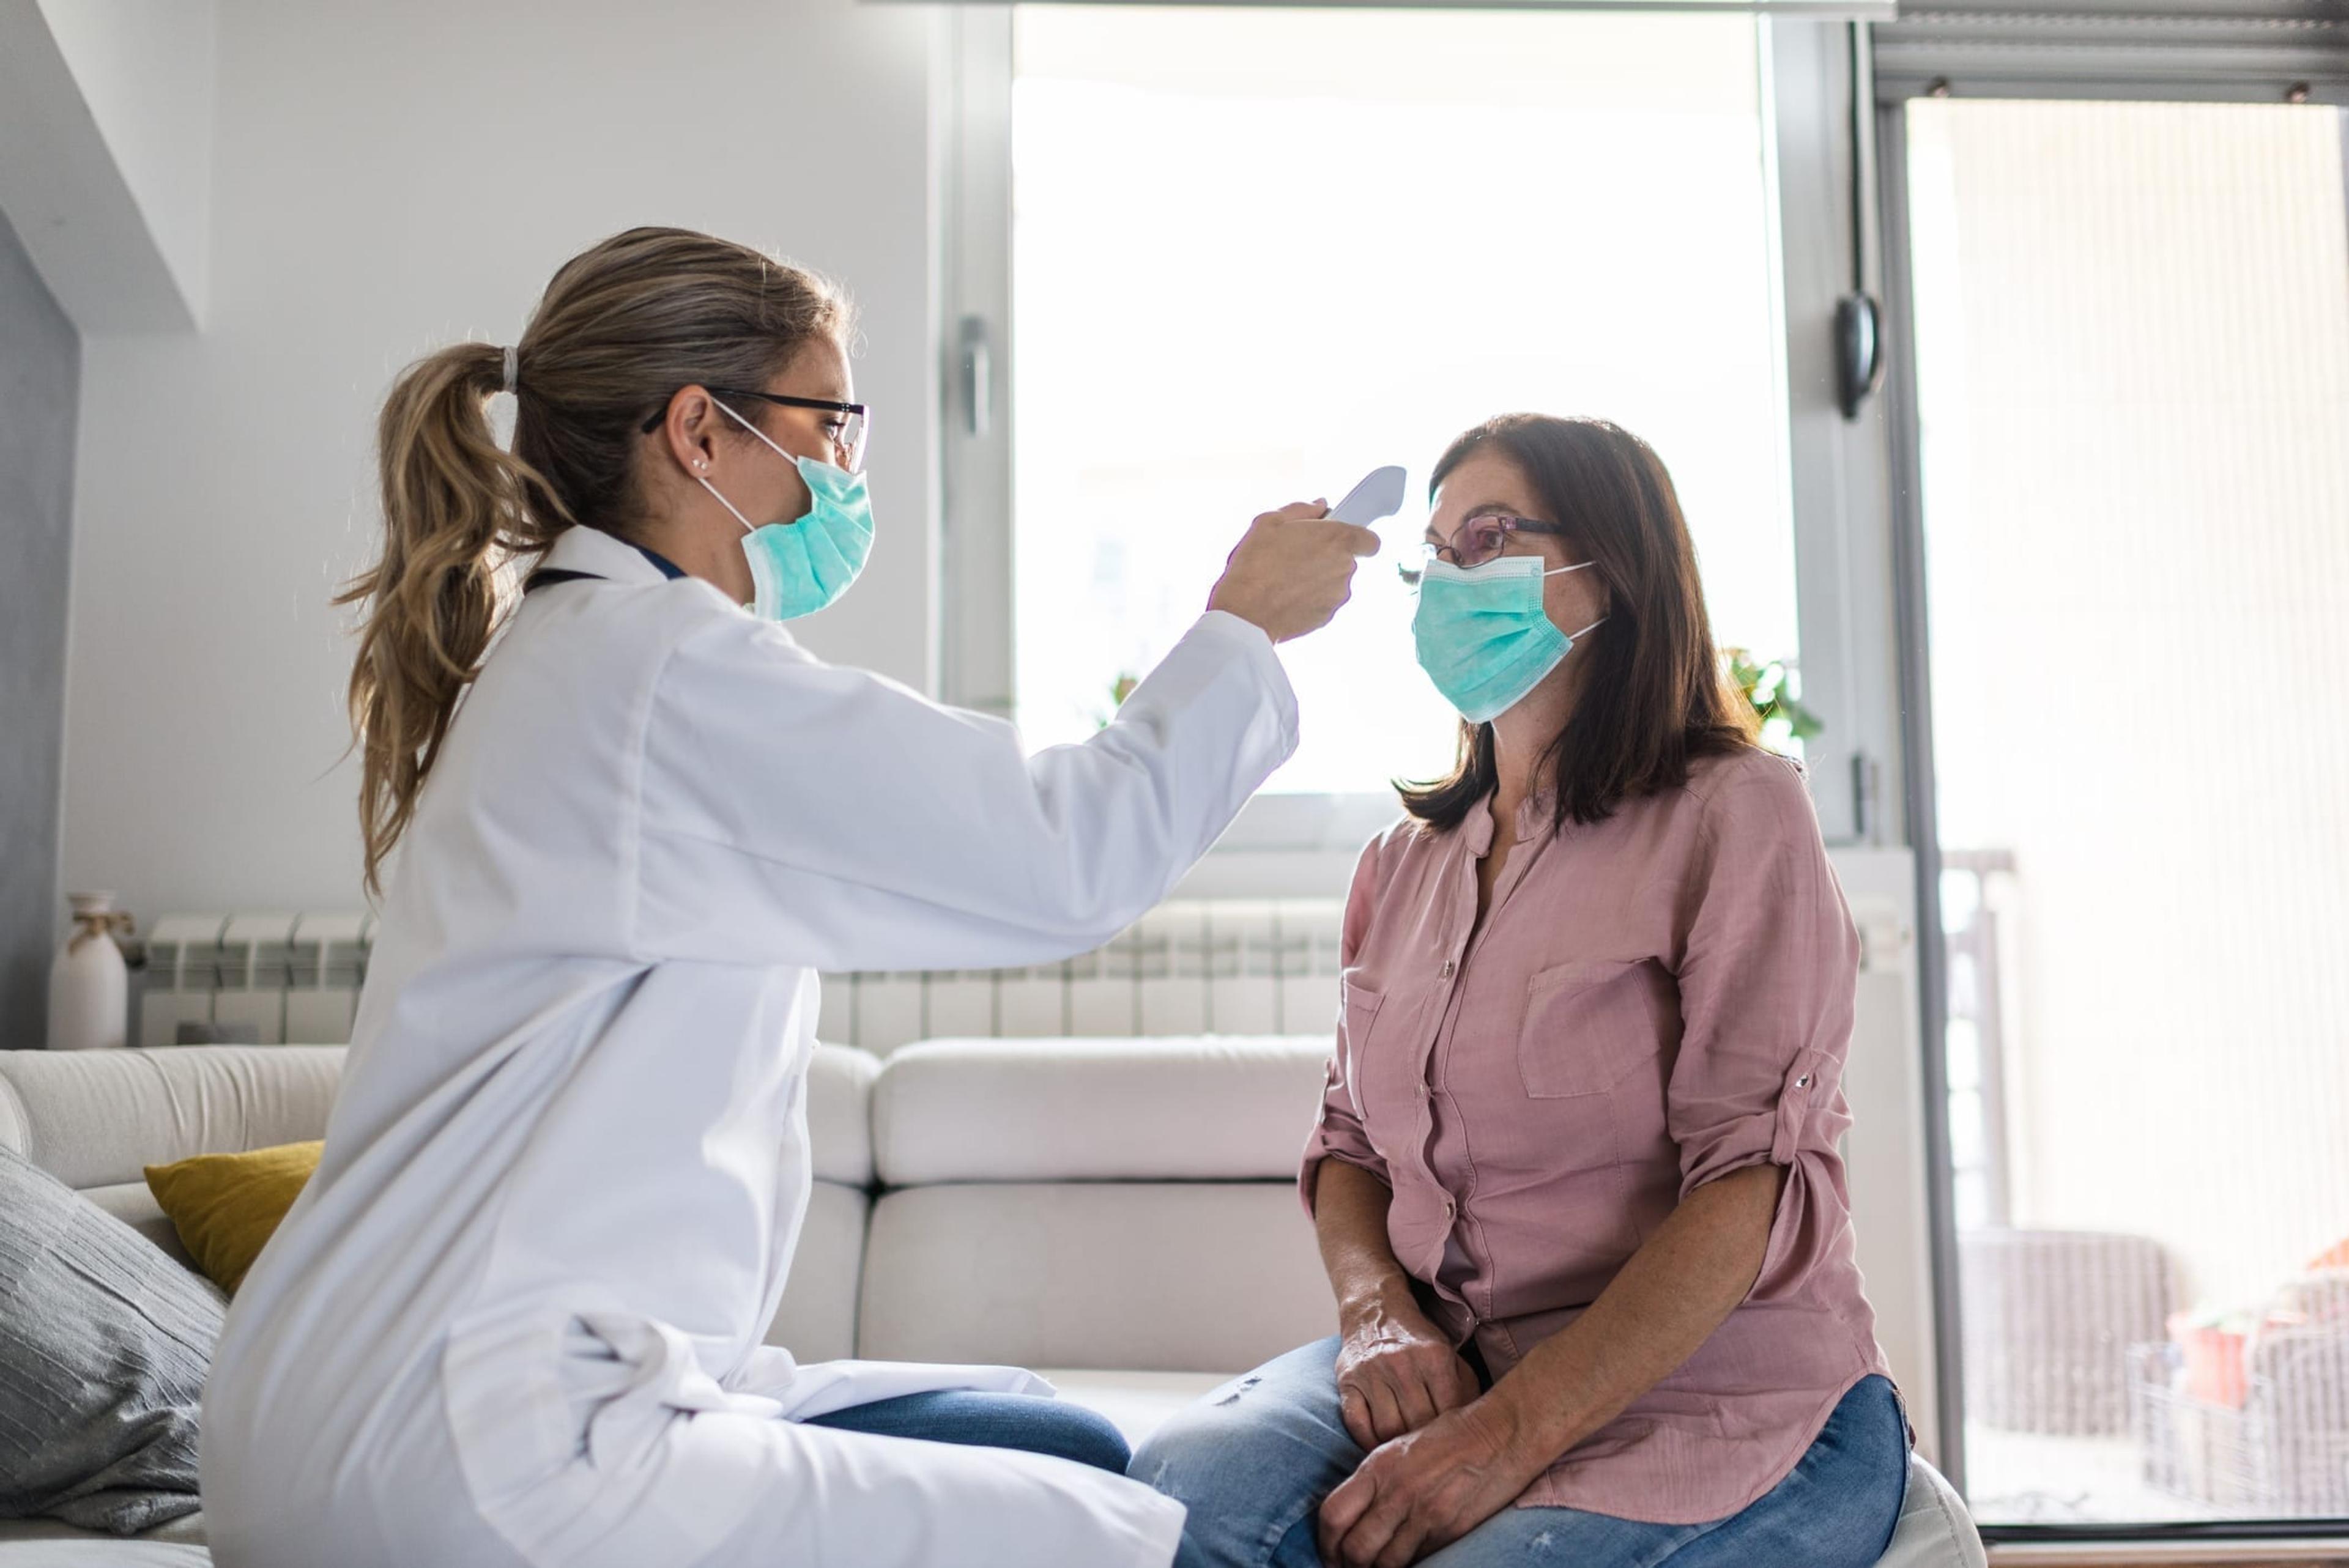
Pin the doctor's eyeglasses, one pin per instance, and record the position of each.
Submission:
(848, 426)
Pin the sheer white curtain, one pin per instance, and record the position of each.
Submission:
(2132, 366)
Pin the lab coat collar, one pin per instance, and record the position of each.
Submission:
(589, 550)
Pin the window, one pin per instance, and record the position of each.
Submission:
(1255, 252)
(2132, 344)
(2119, 397)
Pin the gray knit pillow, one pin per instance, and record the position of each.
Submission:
(103, 1346)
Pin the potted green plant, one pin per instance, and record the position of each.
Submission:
(1773, 688)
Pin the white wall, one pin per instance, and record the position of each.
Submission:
(387, 179)
(106, 152)
(40, 375)
(145, 68)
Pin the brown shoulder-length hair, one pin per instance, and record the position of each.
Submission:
(1654, 694)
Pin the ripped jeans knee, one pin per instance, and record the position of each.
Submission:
(1252, 1461)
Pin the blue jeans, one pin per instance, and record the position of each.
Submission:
(991, 1421)
(1253, 1460)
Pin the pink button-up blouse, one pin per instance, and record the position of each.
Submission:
(1656, 1000)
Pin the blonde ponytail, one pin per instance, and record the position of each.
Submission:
(622, 328)
(451, 518)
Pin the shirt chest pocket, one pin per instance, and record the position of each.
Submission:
(1378, 1060)
(1590, 1025)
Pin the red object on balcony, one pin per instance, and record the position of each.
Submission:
(2214, 1361)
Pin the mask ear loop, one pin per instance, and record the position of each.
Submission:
(1560, 572)
(748, 526)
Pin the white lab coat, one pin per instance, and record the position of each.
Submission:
(515, 1318)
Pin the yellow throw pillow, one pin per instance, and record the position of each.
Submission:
(227, 1206)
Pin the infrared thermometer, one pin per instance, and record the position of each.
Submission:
(1378, 495)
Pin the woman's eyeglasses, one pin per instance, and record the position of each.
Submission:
(1478, 540)
(847, 429)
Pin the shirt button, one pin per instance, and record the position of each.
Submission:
(1446, 972)
(1424, 1091)
(1804, 1081)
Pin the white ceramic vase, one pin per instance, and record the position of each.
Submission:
(89, 986)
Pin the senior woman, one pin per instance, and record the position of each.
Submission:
(1575, 1176)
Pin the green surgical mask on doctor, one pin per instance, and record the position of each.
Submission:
(801, 566)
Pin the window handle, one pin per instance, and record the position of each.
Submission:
(1866, 782)
(977, 377)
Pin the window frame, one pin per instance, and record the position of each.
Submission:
(971, 73)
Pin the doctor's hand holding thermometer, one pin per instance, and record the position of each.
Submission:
(516, 1318)
(1292, 570)
(1280, 576)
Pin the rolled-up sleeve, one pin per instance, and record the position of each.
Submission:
(1337, 1132)
(1769, 962)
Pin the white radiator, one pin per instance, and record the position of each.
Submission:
(1225, 966)
(1206, 966)
(271, 979)
(1197, 967)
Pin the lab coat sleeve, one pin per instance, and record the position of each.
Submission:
(791, 812)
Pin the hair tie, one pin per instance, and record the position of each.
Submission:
(512, 367)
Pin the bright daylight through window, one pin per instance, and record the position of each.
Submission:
(1257, 252)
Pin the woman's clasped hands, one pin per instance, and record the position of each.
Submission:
(1442, 1458)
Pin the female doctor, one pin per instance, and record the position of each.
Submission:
(514, 1320)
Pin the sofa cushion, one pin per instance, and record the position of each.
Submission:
(133, 1203)
(183, 1532)
(104, 1343)
(817, 1318)
(80, 1550)
(1166, 1277)
(227, 1206)
(840, 1113)
(1205, 1107)
(1137, 1403)
(1934, 1529)
(98, 1118)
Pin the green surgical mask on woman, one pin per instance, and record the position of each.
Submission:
(1483, 636)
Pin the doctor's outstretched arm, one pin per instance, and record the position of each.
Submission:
(796, 812)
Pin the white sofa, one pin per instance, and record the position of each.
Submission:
(1117, 1214)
